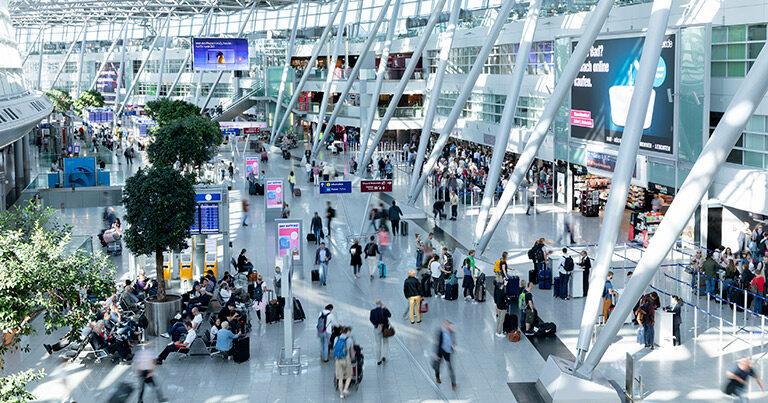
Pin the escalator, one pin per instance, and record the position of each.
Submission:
(239, 105)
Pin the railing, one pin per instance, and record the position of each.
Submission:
(404, 111)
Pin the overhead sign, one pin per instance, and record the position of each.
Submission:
(274, 193)
(219, 54)
(289, 239)
(208, 197)
(601, 94)
(376, 186)
(335, 187)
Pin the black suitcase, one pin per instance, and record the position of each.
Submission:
(451, 291)
(259, 189)
(480, 288)
(298, 310)
(510, 322)
(252, 189)
(426, 286)
(532, 277)
(404, 228)
(286, 155)
(315, 275)
(241, 349)
(272, 313)
(122, 393)
(546, 329)
(513, 287)
(311, 237)
(556, 288)
(545, 279)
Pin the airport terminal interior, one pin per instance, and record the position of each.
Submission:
(383, 200)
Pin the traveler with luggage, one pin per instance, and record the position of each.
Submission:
(738, 379)
(382, 330)
(292, 182)
(412, 292)
(371, 252)
(322, 257)
(538, 255)
(394, 215)
(224, 339)
(468, 282)
(316, 227)
(500, 299)
(325, 323)
(500, 268)
(446, 343)
(608, 293)
(343, 353)
(564, 269)
(356, 257)
(330, 214)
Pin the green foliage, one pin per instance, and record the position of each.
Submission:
(61, 99)
(13, 388)
(160, 208)
(164, 111)
(37, 276)
(191, 140)
(88, 99)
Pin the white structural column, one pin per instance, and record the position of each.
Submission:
(221, 73)
(464, 93)
(312, 60)
(286, 68)
(184, 63)
(141, 68)
(598, 16)
(162, 61)
(40, 60)
(328, 86)
(409, 69)
(381, 72)
(66, 56)
(80, 64)
(622, 175)
(120, 73)
(508, 115)
(106, 57)
(739, 111)
(434, 86)
(356, 70)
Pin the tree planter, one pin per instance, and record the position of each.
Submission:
(159, 313)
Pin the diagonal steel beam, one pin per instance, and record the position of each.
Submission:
(66, 57)
(184, 63)
(286, 67)
(106, 57)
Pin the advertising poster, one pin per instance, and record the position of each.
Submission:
(289, 240)
(601, 94)
(106, 83)
(252, 166)
(219, 54)
(274, 193)
(79, 172)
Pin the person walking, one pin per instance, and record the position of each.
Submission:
(325, 323)
(330, 214)
(379, 318)
(316, 227)
(373, 214)
(454, 200)
(322, 257)
(394, 217)
(246, 207)
(343, 353)
(412, 292)
(500, 299)
(292, 182)
(144, 364)
(231, 170)
(446, 342)
(372, 252)
(356, 257)
(738, 379)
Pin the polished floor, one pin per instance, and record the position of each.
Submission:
(485, 365)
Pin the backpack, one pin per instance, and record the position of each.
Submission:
(497, 266)
(532, 253)
(332, 213)
(568, 264)
(340, 348)
(258, 292)
(322, 321)
(521, 300)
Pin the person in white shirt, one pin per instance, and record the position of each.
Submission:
(197, 318)
(325, 323)
(178, 346)
(564, 268)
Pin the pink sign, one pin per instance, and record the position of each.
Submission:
(252, 165)
(289, 240)
(274, 193)
(582, 118)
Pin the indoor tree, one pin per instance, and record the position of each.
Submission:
(40, 278)
(60, 99)
(164, 110)
(192, 141)
(160, 208)
(88, 99)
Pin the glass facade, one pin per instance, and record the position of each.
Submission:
(501, 60)
(488, 108)
(735, 48)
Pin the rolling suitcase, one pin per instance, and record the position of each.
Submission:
(259, 189)
(315, 275)
(311, 237)
(451, 291)
(480, 288)
(241, 349)
(297, 192)
(545, 279)
(403, 228)
(513, 287)
(298, 310)
(382, 269)
(510, 322)
(532, 276)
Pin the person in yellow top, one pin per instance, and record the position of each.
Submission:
(219, 57)
(292, 181)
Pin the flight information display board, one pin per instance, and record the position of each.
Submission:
(209, 218)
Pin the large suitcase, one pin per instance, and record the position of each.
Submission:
(259, 189)
(513, 287)
(272, 312)
(510, 322)
(480, 288)
(451, 291)
(311, 237)
(382, 269)
(403, 228)
(297, 192)
(241, 349)
(298, 310)
(315, 275)
(546, 329)
(532, 276)
(545, 279)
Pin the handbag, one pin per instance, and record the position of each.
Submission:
(388, 331)
(424, 306)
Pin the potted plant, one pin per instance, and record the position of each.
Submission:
(160, 208)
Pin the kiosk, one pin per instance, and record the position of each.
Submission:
(185, 265)
(167, 265)
(211, 261)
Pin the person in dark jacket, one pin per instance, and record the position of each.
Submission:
(316, 227)
(379, 318)
(322, 257)
(412, 291)
(356, 257)
(500, 299)
(677, 304)
(586, 265)
(394, 216)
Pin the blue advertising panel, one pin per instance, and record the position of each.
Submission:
(80, 172)
(601, 94)
(335, 187)
(219, 54)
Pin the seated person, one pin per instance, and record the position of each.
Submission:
(213, 332)
(224, 339)
(97, 338)
(128, 301)
(197, 318)
(177, 329)
(180, 346)
(209, 275)
(243, 264)
(120, 347)
(198, 297)
(227, 311)
(145, 286)
(227, 278)
(224, 293)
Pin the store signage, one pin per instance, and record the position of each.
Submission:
(602, 92)
(251, 130)
(601, 161)
(661, 189)
(289, 239)
(274, 193)
(252, 166)
(335, 187)
(376, 186)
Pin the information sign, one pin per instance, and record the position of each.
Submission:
(274, 193)
(289, 239)
(335, 187)
(376, 186)
(252, 165)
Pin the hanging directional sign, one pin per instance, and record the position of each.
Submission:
(376, 186)
(335, 187)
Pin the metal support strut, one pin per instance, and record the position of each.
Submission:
(286, 68)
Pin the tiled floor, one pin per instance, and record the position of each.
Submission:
(484, 364)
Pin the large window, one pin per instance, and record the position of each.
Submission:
(752, 147)
(501, 60)
(735, 48)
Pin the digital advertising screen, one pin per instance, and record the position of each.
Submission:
(289, 240)
(217, 54)
(601, 94)
(252, 166)
(274, 193)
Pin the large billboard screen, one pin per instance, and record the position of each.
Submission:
(601, 94)
(218, 54)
